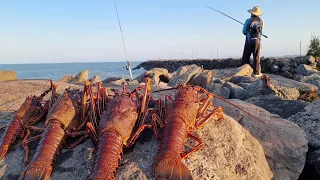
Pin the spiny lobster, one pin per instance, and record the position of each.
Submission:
(65, 118)
(119, 126)
(182, 115)
(33, 110)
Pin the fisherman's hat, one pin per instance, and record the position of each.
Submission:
(255, 11)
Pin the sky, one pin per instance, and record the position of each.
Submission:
(37, 31)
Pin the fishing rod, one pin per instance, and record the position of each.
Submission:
(231, 18)
(124, 45)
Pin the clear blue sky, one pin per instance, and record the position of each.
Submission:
(80, 30)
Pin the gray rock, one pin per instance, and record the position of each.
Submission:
(276, 105)
(82, 77)
(153, 74)
(66, 78)
(290, 88)
(236, 91)
(308, 120)
(275, 68)
(115, 80)
(227, 74)
(219, 90)
(203, 79)
(8, 75)
(284, 142)
(305, 70)
(241, 79)
(294, 63)
(313, 79)
(184, 74)
(219, 81)
(286, 74)
(310, 59)
(95, 79)
(244, 85)
(285, 68)
(133, 82)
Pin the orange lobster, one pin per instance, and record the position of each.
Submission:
(33, 110)
(120, 124)
(183, 115)
(65, 118)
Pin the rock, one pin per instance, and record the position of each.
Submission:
(236, 91)
(284, 88)
(244, 85)
(294, 63)
(297, 77)
(284, 143)
(286, 74)
(95, 79)
(8, 75)
(184, 74)
(66, 78)
(241, 79)
(275, 68)
(82, 77)
(219, 81)
(115, 80)
(133, 82)
(313, 79)
(219, 90)
(285, 68)
(308, 120)
(305, 70)
(203, 79)
(227, 74)
(276, 105)
(153, 74)
(310, 59)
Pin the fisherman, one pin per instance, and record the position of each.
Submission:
(252, 29)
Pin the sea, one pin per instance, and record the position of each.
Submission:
(56, 71)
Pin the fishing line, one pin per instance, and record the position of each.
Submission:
(124, 45)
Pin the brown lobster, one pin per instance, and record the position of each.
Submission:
(30, 112)
(120, 124)
(65, 118)
(183, 114)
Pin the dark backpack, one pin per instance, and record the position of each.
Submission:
(255, 27)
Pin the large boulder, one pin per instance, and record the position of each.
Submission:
(276, 105)
(227, 74)
(241, 79)
(154, 74)
(184, 74)
(305, 70)
(203, 79)
(309, 121)
(284, 88)
(66, 79)
(219, 90)
(82, 77)
(314, 79)
(115, 81)
(95, 79)
(8, 75)
(236, 92)
(285, 143)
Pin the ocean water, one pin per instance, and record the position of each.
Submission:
(56, 71)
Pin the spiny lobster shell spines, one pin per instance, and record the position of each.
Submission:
(64, 115)
(117, 129)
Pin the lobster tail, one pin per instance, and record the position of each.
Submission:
(167, 164)
(107, 156)
(12, 131)
(169, 169)
(41, 165)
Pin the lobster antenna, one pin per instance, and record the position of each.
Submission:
(124, 45)
(165, 89)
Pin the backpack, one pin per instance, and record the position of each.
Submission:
(255, 27)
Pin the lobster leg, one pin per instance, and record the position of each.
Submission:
(80, 140)
(194, 149)
(25, 143)
(155, 119)
(216, 112)
(133, 139)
